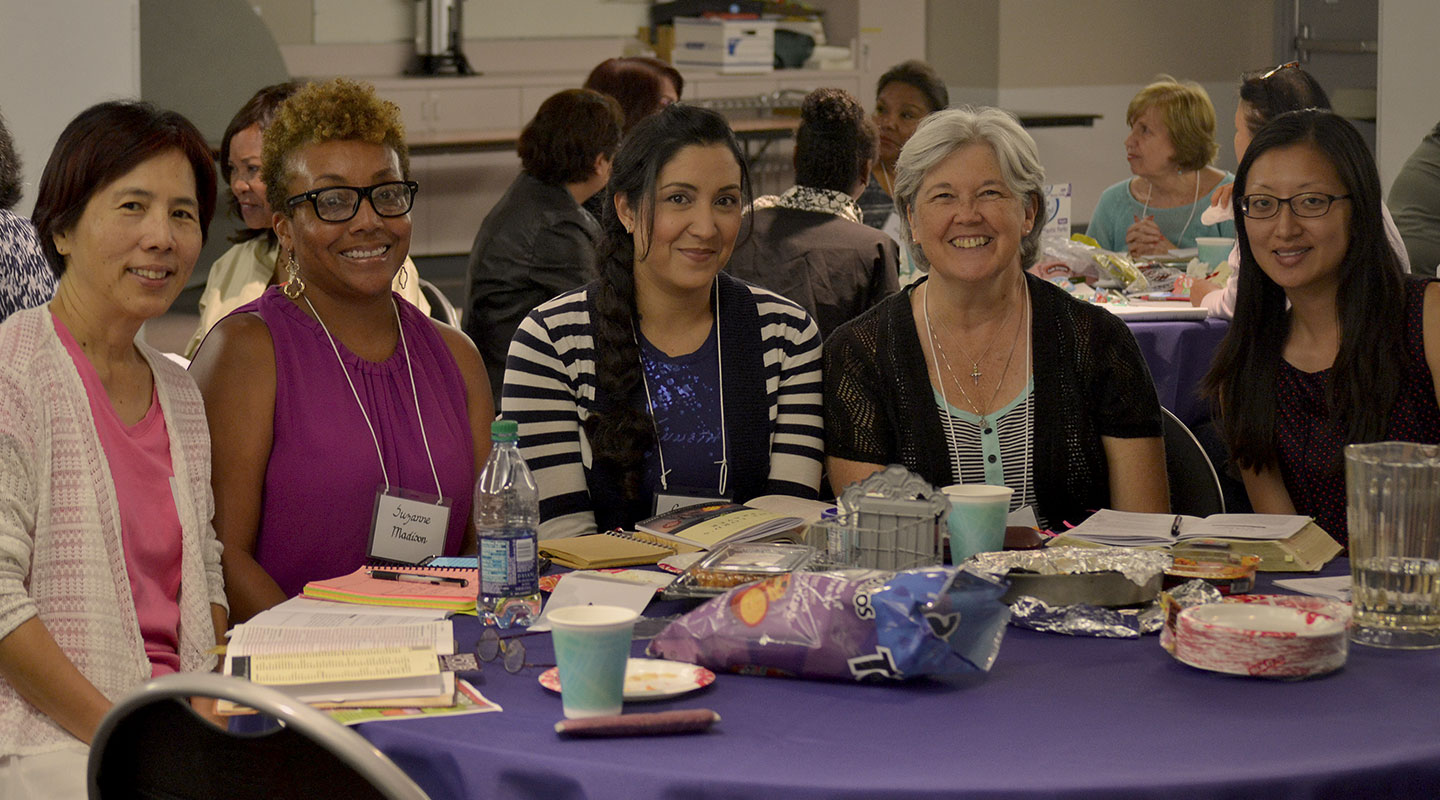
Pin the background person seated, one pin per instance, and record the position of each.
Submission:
(331, 394)
(982, 373)
(1169, 149)
(1415, 195)
(242, 272)
(539, 241)
(109, 569)
(808, 244)
(664, 375)
(26, 280)
(1263, 97)
(1331, 343)
(640, 84)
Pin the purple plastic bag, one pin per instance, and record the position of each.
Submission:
(861, 625)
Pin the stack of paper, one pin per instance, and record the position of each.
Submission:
(351, 665)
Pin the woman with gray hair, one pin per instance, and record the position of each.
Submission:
(26, 280)
(981, 373)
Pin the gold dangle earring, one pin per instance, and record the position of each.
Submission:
(403, 278)
(294, 287)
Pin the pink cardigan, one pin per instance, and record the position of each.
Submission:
(61, 557)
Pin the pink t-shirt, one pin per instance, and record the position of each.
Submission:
(139, 459)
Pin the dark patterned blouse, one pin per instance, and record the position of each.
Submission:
(1310, 444)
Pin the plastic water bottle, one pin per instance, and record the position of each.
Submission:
(507, 512)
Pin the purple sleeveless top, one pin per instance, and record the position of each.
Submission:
(320, 484)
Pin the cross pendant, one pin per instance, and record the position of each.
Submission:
(975, 372)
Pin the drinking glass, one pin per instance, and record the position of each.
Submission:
(1393, 493)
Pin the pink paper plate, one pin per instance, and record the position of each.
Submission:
(1271, 639)
(649, 679)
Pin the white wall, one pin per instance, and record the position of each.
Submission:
(1408, 104)
(60, 57)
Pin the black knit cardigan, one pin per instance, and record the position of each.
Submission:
(1090, 381)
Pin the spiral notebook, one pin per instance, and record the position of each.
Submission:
(360, 587)
(611, 549)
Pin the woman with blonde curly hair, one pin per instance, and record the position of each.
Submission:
(333, 403)
(1169, 149)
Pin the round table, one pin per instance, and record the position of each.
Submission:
(1057, 716)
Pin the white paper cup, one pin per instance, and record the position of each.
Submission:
(977, 518)
(592, 644)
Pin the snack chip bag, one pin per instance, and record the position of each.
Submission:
(861, 625)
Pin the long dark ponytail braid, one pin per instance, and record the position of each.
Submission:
(621, 432)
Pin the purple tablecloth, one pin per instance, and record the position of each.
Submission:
(1179, 354)
(1056, 717)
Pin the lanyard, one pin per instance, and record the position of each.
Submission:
(724, 461)
(419, 415)
(953, 445)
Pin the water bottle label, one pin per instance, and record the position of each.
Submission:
(507, 566)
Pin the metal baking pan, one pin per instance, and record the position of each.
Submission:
(1109, 589)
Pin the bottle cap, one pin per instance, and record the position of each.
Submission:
(504, 430)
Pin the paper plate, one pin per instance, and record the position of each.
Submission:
(1260, 639)
(649, 679)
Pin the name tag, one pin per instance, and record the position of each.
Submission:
(408, 527)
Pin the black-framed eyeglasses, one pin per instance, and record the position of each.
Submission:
(1308, 204)
(1278, 68)
(341, 203)
(509, 650)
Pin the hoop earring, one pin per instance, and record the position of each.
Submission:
(294, 286)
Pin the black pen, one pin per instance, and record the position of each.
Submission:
(1175, 527)
(410, 577)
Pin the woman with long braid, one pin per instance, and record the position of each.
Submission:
(666, 377)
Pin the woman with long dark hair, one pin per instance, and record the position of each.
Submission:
(666, 377)
(1331, 343)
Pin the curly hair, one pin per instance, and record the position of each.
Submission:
(835, 142)
(569, 131)
(620, 433)
(335, 111)
(10, 188)
(1189, 116)
(258, 110)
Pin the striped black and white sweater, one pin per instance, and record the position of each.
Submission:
(772, 391)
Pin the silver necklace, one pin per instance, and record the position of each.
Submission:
(943, 357)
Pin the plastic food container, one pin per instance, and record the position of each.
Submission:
(733, 564)
(1231, 573)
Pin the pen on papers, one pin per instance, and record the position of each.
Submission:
(1175, 527)
(410, 577)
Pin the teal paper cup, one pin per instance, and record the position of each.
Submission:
(592, 644)
(977, 518)
(1213, 250)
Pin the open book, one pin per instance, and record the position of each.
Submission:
(1285, 543)
(708, 525)
(367, 666)
(686, 530)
